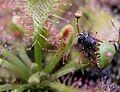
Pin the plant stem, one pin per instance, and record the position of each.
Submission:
(38, 52)
(37, 47)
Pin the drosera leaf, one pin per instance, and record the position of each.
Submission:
(8, 87)
(53, 61)
(77, 61)
(16, 69)
(34, 68)
(59, 87)
(72, 66)
(71, 40)
(67, 35)
(67, 39)
(41, 9)
(38, 51)
(14, 60)
(15, 25)
(21, 88)
(40, 43)
(23, 55)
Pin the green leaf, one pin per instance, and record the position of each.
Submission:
(76, 62)
(24, 56)
(62, 87)
(16, 26)
(34, 79)
(7, 87)
(34, 68)
(38, 78)
(14, 60)
(17, 70)
(70, 67)
(53, 61)
(38, 51)
(20, 88)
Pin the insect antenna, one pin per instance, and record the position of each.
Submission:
(118, 30)
(114, 25)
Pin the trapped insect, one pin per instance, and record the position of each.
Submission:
(87, 43)
(94, 50)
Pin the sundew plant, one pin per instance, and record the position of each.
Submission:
(38, 56)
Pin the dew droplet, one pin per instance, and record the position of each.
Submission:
(57, 22)
(32, 37)
(18, 49)
(64, 4)
(70, 4)
(5, 45)
(3, 66)
(29, 48)
(79, 83)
